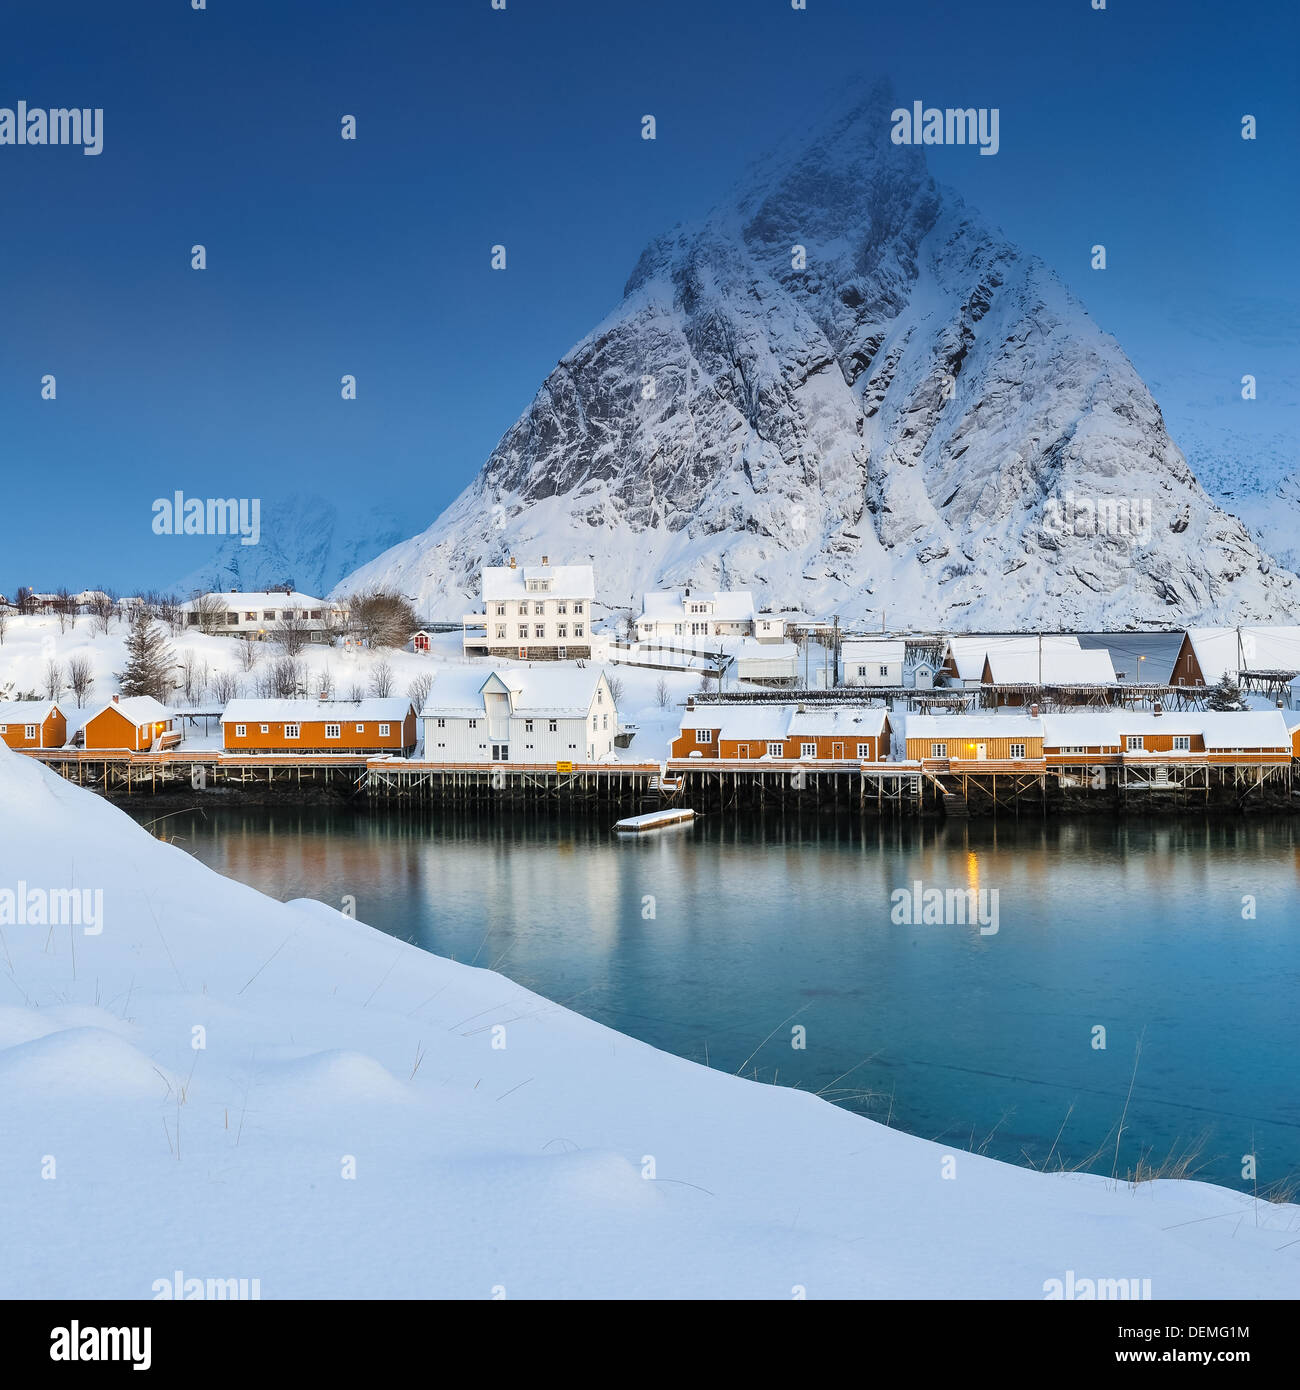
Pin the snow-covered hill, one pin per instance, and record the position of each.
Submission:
(213, 1082)
(305, 542)
(883, 429)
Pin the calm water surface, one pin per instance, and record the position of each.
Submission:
(759, 925)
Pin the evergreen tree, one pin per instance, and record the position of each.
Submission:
(148, 660)
(1226, 695)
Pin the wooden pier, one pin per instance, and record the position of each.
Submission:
(933, 787)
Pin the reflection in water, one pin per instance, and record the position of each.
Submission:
(704, 939)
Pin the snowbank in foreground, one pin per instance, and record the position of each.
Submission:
(570, 1161)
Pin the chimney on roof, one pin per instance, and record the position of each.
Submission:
(690, 702)
(512, 562)
(1033, 711)
(546, 559)
(1158, 710)
(115, 699)
(1280, 705)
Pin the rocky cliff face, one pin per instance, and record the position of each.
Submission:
(848, 392)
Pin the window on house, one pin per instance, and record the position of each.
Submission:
(1182, 743)
(538, 609)
(775, 750)
(523, 610)
(333, 730)
(577, 629)
(561, 607)
(1074, 748)
(270, 616)
(291, 731)
(807, 750)
(554, 727)
(501, 631)
(1133, 743)
(232, 619)
(593, 723)
(523, 632)
(539, 630)
(501, 610)
(862, 670)
(442, 723)
(938, 750)
(561, 630)
(884, 670)
(473, 723)
(704, 736)
(29, 731)
(1017, 750)
(864, 750)
(528, 726)
(384, 729)
(577, 607)
(604, 721)
(241, 730)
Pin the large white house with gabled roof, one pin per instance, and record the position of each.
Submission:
(533, 612)
(519, 714)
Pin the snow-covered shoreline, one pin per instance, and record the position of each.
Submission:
(365, 1119)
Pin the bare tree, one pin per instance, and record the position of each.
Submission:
(209, 613)
(226, 686)
(81, 676)
(248, 654)
(381, 680)
(284, 678)
(291, 632)
(169, 611)
(383, 618)
(55, 681)
(325, 682)
(356, 692)
(189, 666)
(662, 694)
(616, 687)
(418, 690)
(65, 609)
(4, 622)
(102, 607)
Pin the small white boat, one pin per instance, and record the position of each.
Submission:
(655, 820)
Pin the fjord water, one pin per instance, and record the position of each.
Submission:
(717, 941)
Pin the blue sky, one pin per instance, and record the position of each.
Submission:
(522, 127)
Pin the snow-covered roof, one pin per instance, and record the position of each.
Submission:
(1245, 729)
(888, 649)
(780, 721)
(968, 653)
(385, 709)
(1220, 729)
(946, 726)
(26, 711)
(1261, 649)
(139, 709)
(726, 605)
(566, 581)
(260, 600)
(548, 691)
(1059, 665)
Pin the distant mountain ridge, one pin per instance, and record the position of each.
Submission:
(883, 429)
(306, 542)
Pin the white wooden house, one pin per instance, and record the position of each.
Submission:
(533, 612)
(519, 714)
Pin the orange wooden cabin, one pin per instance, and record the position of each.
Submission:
(32, 724)
(319, 726)
(133, 724)
(787, 732)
